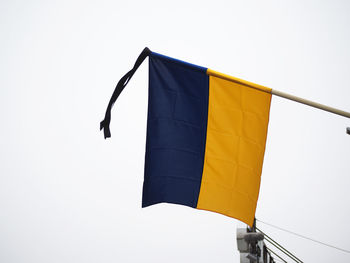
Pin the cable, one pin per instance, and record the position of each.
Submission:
(276, 255)
(291, 256)
(308, 238)
(279, 247)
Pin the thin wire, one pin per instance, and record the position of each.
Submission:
(276, 255)
(308, 238)
(283, 251)
(279, 247)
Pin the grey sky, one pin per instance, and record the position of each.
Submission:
(67, 195)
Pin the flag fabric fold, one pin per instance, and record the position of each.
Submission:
(206, 136)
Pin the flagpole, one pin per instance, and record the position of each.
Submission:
(310, 103)
(278, 93)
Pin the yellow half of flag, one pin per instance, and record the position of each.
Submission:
(238, 116)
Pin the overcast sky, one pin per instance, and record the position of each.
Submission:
(68, 195)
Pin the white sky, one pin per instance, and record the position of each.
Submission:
(67, 195)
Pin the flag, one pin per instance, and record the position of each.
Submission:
(206, 137)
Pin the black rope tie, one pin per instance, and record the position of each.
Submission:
(118, 89)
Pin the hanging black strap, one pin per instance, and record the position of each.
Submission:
(118, 89)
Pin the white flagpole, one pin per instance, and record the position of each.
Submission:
(310, 103)
(278, 93)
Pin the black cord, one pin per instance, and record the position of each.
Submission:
(118, 89)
